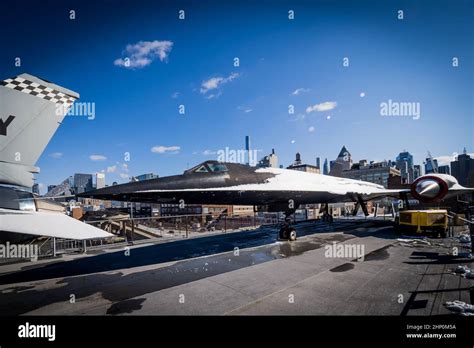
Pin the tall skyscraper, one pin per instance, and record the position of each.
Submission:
(342, 162)
(70, 181)
(318, 162)
(444, 169)
(82, 183)
(100, 180)
(462, 169)
(417, 171)
(404, 163)
(431, 165)
(247, 148)
(326, 167)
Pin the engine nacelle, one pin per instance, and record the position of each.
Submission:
(432, 187)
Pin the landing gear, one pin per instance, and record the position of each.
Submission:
(283, 233)
(443, 233)
(292, 235)
(287, 232)
(326, 216)
(363, 205)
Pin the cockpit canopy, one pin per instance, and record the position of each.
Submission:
(208, 167)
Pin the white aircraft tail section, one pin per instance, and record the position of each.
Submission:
(31, 109)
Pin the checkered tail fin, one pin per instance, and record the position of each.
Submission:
(31, 110)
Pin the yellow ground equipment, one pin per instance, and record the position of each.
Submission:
(419, 221)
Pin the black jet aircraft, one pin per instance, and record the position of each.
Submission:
(276, 189)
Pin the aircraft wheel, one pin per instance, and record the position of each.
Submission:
(292, 235)
(283, 233)
(442, 233)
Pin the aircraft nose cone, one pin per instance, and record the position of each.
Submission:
(428, 188)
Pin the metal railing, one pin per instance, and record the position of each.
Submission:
(181, 226)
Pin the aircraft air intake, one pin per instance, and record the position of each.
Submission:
(429, 188)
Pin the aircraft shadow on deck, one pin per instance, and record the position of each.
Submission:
(177, 250)
(118, 287)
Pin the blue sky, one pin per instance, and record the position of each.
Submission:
(407, 60)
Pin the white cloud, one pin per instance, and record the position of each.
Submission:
(164, 149)
(124, 176)
(213, 95)
(444, 160)
(97, 158)
(143, 53)
(244, 109)
(216, 82)
(299, 91)
(111, 169)
(362, 94)
(311, 129)
(175, 95)
(326, 106)
(209, 152)
(56, 155)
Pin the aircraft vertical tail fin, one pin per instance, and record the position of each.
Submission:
(31, 110)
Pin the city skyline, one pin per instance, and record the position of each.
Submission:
(133, 106)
